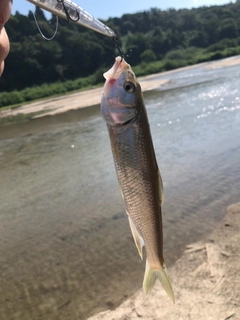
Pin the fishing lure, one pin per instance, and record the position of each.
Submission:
(72, 12)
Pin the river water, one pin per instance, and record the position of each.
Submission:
(66, 250)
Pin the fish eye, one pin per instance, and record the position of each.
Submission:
(129, 87)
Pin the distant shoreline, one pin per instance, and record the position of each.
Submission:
(91, 97)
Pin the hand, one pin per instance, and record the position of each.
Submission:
(5, 12)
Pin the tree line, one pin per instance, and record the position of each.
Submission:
(170, 38)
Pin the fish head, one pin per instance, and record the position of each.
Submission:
(121, 94)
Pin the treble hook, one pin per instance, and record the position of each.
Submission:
(117, 45)
(67, 14)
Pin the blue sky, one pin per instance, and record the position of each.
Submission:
(116, 8)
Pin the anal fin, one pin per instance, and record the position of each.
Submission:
(137, 238)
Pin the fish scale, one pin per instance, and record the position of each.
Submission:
(137, 178)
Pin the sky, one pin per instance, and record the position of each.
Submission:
(116, 8)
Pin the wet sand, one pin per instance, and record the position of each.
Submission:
(205, 280)
(92, 97)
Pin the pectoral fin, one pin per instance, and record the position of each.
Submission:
(121, 191)
(137, 238)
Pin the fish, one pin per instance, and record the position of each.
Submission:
(123, 109)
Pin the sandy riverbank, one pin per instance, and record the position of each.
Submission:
(72, 101)
(205, 280)
(92, 97)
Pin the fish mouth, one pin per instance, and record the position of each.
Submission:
(119, 66)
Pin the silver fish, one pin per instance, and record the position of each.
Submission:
(123, 109)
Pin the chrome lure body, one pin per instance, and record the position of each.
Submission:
(76, 14)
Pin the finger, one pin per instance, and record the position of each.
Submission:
(4, 45)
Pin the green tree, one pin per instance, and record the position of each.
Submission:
(148, 56)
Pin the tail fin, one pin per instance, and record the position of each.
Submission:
(150, 277)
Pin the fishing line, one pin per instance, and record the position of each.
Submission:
(40, 31)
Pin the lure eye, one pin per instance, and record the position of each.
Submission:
(129, 87)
